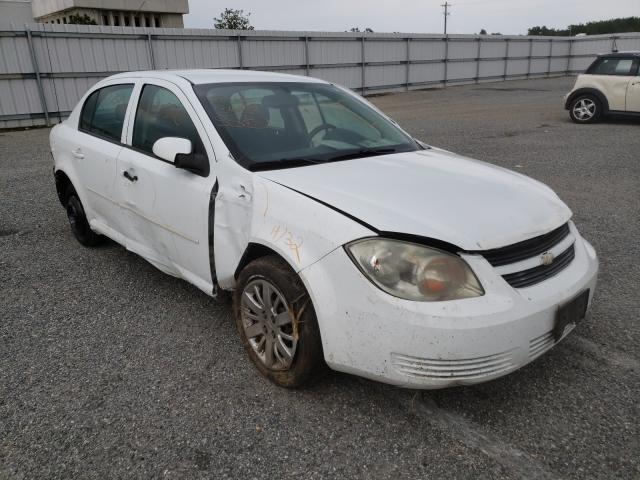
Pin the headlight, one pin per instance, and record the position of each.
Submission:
(414, 272)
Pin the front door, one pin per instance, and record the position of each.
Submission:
(166, 208)
(633, 94)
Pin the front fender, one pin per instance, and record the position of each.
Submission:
(300, 229)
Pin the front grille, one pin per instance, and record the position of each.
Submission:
(526, 249)
(464, 369)
(534, 275)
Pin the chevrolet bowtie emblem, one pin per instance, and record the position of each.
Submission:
(547, 258)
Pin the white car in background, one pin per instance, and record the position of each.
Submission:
(610, 86)
(344, 240)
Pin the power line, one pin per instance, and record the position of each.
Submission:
(446, 6)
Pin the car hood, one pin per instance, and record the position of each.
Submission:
(433, 193)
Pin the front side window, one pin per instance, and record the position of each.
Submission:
(161, 114)
(271, 125)
(613, 66)
(104, 110)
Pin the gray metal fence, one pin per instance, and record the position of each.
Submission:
(45, 69)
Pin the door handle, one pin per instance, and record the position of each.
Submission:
(78, 153)
(128, 176)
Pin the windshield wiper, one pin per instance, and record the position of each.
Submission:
(364, 152)
(283, 163)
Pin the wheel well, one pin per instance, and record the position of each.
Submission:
(589, 91)
(253, 252)
(62, 183)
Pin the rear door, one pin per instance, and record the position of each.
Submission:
(95, 147)
(166, 207)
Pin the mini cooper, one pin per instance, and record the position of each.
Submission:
(343, 241)
(610, 86)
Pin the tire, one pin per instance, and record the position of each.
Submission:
(585, 109)
(259, 330)
(78, 220)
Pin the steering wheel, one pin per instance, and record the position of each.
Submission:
(320, 128)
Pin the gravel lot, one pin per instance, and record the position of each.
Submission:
(111, 369)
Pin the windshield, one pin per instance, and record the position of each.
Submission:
(281, 125)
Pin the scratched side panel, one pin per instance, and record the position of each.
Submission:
(232, 218)
(300, 229)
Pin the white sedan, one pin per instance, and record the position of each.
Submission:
(345, 241)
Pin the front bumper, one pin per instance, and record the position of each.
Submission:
(369, 333)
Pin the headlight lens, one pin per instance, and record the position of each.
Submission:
(414, 272)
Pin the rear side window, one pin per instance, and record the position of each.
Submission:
(161, 114)
(104, 110)
(613, 66)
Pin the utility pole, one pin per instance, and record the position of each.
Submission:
(446, 6)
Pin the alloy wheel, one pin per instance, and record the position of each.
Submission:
(584, 109)
(268, 324)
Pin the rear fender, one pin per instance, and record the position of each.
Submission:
(588, 91)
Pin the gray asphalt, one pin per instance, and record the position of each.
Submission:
(111, 369)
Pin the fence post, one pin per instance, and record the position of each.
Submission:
(446, 59)
(569, 57)
(530, 55)
(36, 70)
(240, 64)
(306, 55)
(506, 60)
(152, 60)
(549, 59)
(408, 70)
(478, 58)
(363, 66)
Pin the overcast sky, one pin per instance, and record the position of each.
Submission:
(421, 16)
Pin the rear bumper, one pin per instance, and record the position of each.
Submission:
(369, 333)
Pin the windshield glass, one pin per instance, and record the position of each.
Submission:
(281, 125)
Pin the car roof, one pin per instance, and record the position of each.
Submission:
(215, 75)
(631, 53)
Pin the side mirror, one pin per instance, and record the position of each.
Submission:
(168, 148)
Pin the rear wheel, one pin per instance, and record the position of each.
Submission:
(277, 323)
(78, 220)
(585, 109)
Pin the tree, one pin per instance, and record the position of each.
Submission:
(233, 19)
(483, 32)
(602, 27)
(366, 30)
(77, 19)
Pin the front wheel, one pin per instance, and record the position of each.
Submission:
(585, 109)
(277, 322)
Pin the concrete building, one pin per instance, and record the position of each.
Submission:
(15, 13)
(123, 13)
